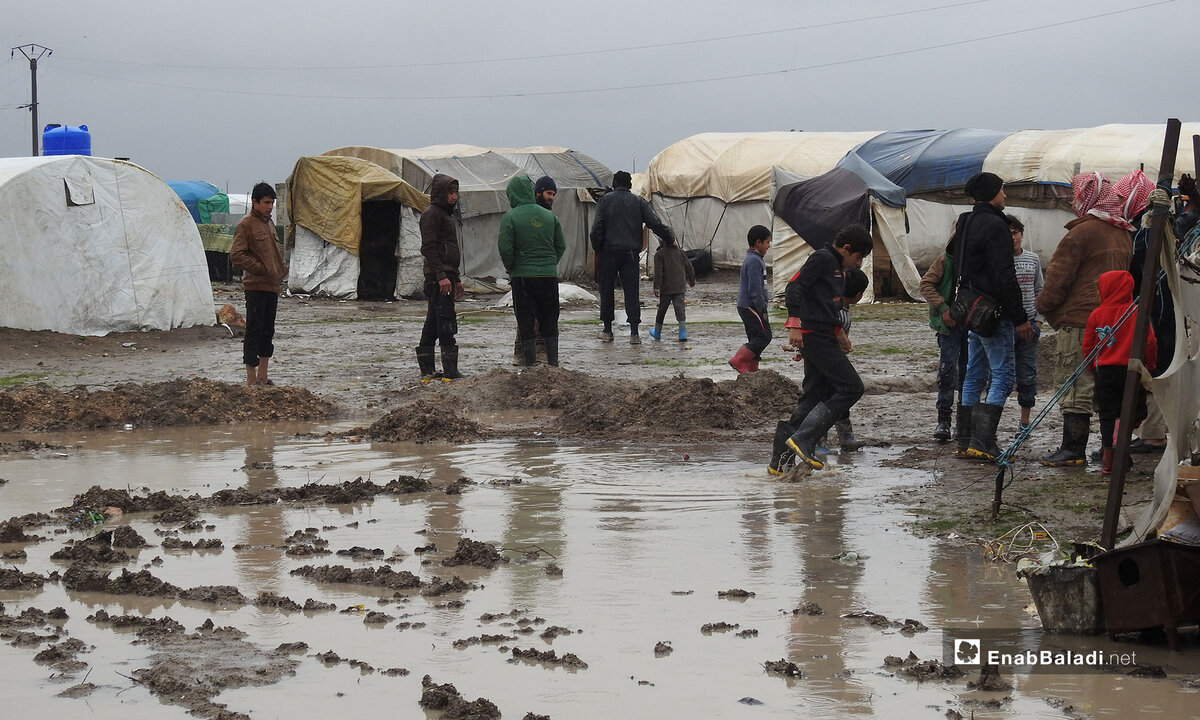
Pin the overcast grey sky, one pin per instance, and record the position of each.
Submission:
(235, 92)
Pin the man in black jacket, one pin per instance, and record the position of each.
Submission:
(439, 248)
(617, 240)
(983, 253)
(831, 384)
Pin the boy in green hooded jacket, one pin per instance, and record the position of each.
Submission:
(531, 244)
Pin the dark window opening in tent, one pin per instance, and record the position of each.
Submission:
(377, 247)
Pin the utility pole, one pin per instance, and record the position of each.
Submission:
(33, 53)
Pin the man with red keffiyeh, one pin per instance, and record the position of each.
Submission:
(1097, 241)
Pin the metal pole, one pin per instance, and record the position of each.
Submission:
(33, 104)
(33, 53)
(1137, 353)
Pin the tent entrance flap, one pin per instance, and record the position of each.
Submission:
(377, 250)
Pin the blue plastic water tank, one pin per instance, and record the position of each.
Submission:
(66, 140)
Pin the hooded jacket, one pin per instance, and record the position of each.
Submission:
(255, 250)
(618, 225)
(1116, 293)
(673, 271)
(439, 238)
(1090, 248)
(531, 238)
(983, 251)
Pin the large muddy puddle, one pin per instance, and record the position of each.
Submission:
(650, 540)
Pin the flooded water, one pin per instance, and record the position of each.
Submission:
(646, 537)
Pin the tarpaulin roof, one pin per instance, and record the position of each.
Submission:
(1054, 156)
(878, 185)
(929, 160)
(819, 207)
(326, 193)
(569, 168)
(192, 191)
(736, 167)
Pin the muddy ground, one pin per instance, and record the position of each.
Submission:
(354, 360)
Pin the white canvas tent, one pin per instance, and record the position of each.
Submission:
(353, 230)
(711, 188)
(93, 246)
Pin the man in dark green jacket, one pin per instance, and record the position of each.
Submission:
(531, 244)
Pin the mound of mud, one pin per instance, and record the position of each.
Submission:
(534, 388)
(425, 421)
(683, 406)
(199, 401)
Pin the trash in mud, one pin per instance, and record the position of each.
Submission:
(783, 667)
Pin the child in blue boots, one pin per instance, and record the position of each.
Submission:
(673, 275)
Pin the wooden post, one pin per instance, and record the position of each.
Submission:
(1137, 354)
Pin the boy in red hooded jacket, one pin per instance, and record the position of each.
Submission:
(1111, 363)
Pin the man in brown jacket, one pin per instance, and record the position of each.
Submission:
(256, 251)
(1096, 242)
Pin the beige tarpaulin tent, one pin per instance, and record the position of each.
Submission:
(711, 188)
(353, 230)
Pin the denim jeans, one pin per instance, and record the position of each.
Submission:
(952, 367)
(996, 354)
(1026, 367)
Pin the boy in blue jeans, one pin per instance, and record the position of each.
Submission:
(1029, 277)
(752, 301)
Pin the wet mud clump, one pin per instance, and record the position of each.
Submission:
(783, 667)
(199, 401)
(913, 667)
(454, 706)
(191, 670)
(13, 579)
(384, 577)
(423, 421)
(549, 657)
(478, 554)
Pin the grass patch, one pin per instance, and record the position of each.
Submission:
(12, 381)
(664, 362)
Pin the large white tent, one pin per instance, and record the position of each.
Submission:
(93, 246)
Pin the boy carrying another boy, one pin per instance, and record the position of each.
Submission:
(831, 384)
(673, 275)
(752, 301)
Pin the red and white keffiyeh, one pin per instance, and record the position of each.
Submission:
(1095, 195)
(1134, 189)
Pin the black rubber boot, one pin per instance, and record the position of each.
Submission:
(984, 419)
(804, 441)
(942, 432)
(962, 432)
(781, 455)
(846, 439)
(425, 361)
(450, 363)
(528, 352)
(1074, 443)
(552, 351)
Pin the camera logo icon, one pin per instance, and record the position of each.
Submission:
(967, 651)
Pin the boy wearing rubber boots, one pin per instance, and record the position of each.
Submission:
(831, 384)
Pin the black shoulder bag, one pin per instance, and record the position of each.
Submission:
(976, 311)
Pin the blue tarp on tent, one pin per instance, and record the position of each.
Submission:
(887, 191)
(929, 160)
(192, 192)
